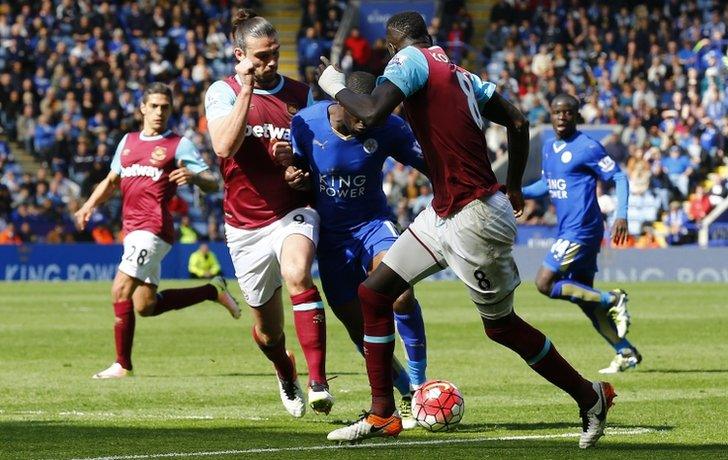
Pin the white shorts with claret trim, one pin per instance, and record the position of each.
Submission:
(475, 242)
(143, 254)
(256, 253)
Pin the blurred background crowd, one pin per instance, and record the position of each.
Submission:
(72, 73)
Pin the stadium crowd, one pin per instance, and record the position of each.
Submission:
(72, 72)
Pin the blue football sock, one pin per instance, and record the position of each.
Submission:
(411, 328)
(581, 294)
(605, 326)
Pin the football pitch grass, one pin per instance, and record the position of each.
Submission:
(203, 390)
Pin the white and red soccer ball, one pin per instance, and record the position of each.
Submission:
(438, 405)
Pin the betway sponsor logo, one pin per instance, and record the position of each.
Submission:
(268, 131)
(137, 170)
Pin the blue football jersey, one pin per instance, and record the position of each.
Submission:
(571, 168)
(346, 171)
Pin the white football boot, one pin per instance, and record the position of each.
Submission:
(619, 314)
(224, 297)
(115, 371)
(368, 426)
(319, 398)
(624, 360)
(594, 420)
(291, 393)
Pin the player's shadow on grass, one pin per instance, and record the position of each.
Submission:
(489, 427)
(244, 374)
(683, 371)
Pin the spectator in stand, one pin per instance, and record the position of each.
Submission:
(360, 49)
(187, 234)
(699, 205)
(678, 168)
(203, 263)
(9, 235)
(676, 220)
(310, 50)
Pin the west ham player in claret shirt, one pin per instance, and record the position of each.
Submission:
(470, 225)
(270, 231)
(148, 166)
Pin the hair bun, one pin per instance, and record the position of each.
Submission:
(243, 15)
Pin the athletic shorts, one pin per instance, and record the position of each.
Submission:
(345, 258)
(568, 258)
(143, 254)
(256, 253)
(475, 242)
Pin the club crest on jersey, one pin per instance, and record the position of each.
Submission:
(566, 157)
(292, 109)
(371, 146)
(158, 154)
(126, 152)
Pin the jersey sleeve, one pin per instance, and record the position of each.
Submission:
(190, 156)
(407, 70)
(116, 161)
(599, 161)
(483, 90)
(219, 100)
(406, 148)
(299, 139)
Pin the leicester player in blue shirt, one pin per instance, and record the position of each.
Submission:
(344, 159)
(572, 163)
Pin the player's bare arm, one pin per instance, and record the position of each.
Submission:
(369, 108)
(500, 111)
(205, 180)
(228, 133)
(100, 195)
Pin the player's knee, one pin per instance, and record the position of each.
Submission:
(120, 291)
(297, 277)
(405, 303)
(144, 309)
(544, 285)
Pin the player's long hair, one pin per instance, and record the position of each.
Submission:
(247, 24)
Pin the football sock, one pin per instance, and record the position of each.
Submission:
(177, 299)
(310, 319)
(411, 328)
(541, 355)
(276, 353)
(124, 331)
(605, 326)
(581, 293)
(378, 348)
(401, 378)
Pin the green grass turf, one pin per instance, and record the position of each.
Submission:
(201, 385)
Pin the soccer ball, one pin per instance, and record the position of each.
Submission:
(438, 405)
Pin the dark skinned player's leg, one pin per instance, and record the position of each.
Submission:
(377, 295)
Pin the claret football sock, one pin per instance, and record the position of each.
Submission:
(310, 320)
(276, 353)
(177, 299)
(378, 348)
(124, 331)
(541, 355)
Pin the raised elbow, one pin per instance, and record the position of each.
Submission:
(521, 124)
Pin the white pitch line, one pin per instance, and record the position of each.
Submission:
(389, 445)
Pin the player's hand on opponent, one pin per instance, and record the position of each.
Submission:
(181, 175)
(330, 78)
(297, 178)
(245, 69)
(82, 216)
(516, 199)
(281, 152)
(619, 232)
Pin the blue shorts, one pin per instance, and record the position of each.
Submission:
(345, 258)
(572, 258)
